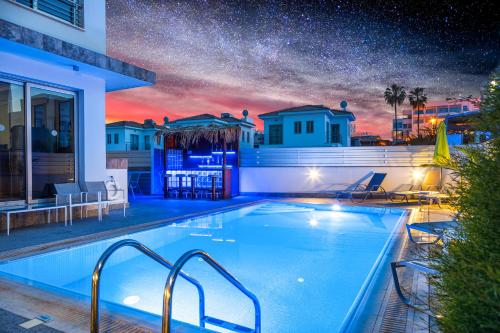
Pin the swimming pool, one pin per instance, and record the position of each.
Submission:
(308, 264)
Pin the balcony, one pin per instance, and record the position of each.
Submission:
(70, 11)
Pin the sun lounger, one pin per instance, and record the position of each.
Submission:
(436, 229)
(374, 186)
(93, 188)
(415, 265)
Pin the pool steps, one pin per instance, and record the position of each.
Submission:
(175, 271)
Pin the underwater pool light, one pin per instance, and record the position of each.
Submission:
(131, 300)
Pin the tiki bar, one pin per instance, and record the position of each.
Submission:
(198, 162)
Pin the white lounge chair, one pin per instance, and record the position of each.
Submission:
(93, 188)
(71, 195)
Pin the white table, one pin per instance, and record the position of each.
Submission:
(33, 208)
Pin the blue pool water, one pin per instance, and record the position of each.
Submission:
(307, 264)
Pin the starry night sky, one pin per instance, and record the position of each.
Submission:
(224, 56)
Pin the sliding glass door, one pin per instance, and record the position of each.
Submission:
(52, 140)
(37, 141)
(12, 142)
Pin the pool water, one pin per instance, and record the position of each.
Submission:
(307, 264)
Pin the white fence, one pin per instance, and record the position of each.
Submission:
(338, 156)
(316, 170)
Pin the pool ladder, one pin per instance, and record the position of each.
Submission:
(175, 271)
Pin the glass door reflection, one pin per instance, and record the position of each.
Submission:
(52, 140)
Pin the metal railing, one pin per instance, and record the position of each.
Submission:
(67, 10)
(96, 278)
(177, 270)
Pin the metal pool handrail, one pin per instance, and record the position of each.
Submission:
(177, 269)
(94, 312)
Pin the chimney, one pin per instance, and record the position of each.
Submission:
(149, 122)
(165, 121)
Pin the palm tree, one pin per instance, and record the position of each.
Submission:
(395, 95)
(417, 99)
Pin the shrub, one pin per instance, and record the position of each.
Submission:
(468, 289)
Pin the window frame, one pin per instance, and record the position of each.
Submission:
(279, 142)
(29, 150)
(310, 126)
(297, 127)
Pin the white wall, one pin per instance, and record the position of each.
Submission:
(91, 91)
(301, 180)
(92, 36)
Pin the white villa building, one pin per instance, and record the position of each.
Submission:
(307, 126)
(54, 74)
(129, 135)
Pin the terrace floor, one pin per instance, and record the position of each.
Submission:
(385, 313)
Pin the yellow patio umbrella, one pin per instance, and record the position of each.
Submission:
(441, 150)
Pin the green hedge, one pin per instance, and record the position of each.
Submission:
(468, 290)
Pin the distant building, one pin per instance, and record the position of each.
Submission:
(308, 126)
(131, 136)
(246, 124)
(368, 140)
(258, 139)
(430, 115)
(460, 129)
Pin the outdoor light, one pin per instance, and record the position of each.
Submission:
(433, 121)
(336, 207)
(313, 174)
(493, 83)
(313, 222)
(2, 127)
(417, 174)
(53, 133)
(300, 280)
(131, 300)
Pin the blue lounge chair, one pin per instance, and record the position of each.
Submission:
(436, 229)
(374, 186)
(415, 265)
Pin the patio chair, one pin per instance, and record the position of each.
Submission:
(374, 186)
(430, 183)
(99, 188)
(436, 229)
(72, 196)
(134, 183)
(415, 265)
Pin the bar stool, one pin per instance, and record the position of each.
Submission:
(214, 193)
(193, 191)
(180, 178)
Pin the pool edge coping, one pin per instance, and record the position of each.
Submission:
(9, 255)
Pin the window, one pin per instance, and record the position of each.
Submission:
(52, 140)
(242, 136)
(465, 108)
(443, 110)
(310, 126)
(275, 134)
(70, 11)
(12, 146)
(134, 142)
(429, 111)
(147, 142)
(108, 139)
(297, 127)
(335, 133)
(117, 138)
(248, 137)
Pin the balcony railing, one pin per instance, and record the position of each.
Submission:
(70, 11)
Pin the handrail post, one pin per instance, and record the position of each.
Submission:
(96, 275)
(172, 277)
